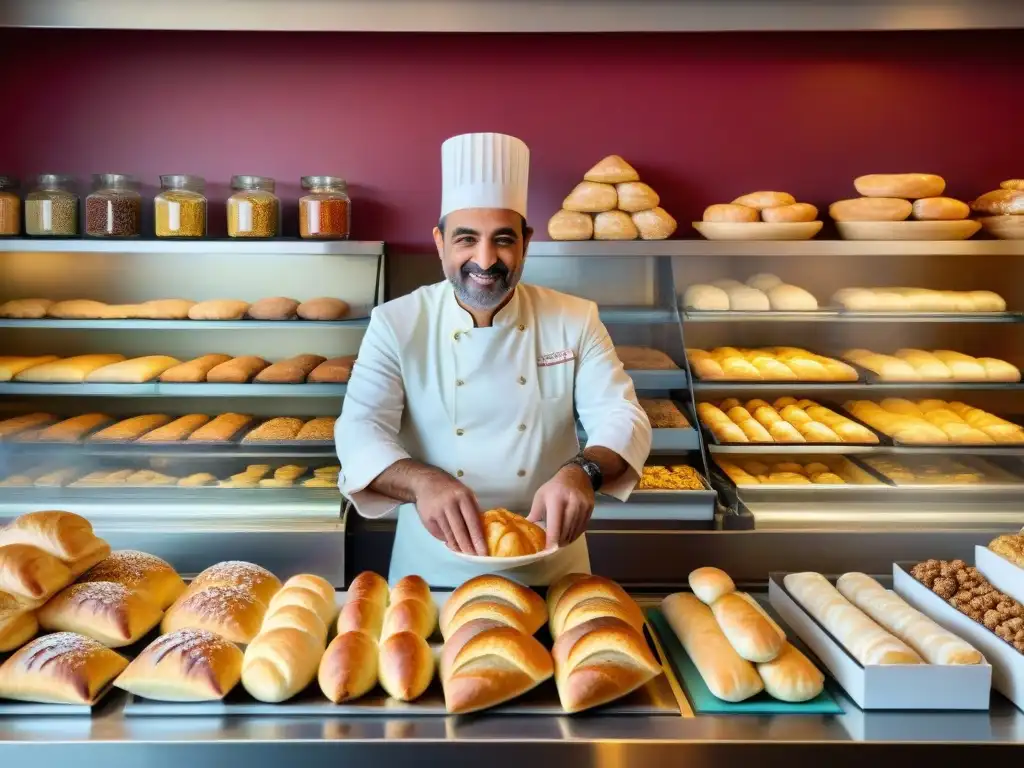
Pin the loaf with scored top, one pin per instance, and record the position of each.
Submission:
(61, 668)
(231, 612)
(257, 580)
(573, 598)
(103, 610)
(184, 665)
(65, 535)
(495, 588)
(140, 572)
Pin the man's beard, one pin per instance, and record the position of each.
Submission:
(484, 296)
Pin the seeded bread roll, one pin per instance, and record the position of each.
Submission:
(179, 429)
(335, 370)
(236, 371)
(274, 308)
(129, 429)
(320, 428)
(219, 309)
(194, 370)
(221, 429)
(294, 370)
(323, 308)
(11, 365)
(25, 309)
(281, 428)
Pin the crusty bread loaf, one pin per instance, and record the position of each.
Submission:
(940, 209)
(615, 225)
(729, 212)
(129, 429)
(18, 624)
(70, 370)
(349, 667)
(176, 430)
(746, 628)
(221, 429)
(910, 186)
(593, 587)
(31, 575)
(1000, 202)
(870, 209)
(275, 430)
(70, 430)
(791, 676)
(761, 200)
(184, 665)
(274, 308)
(495, 611)
(11, 365)
(570, 225)
(141, 572)
(25, 309)
(231, 612)
(194, 370)
(108, 612)
(323, 308)
(61, 668)
(709, 584)
(65, 535)
(495, 588)
(238, 370)
(655, 224)
(280, 663)
(591, 197)
(612, 170)
(255, 579)
(795, 212)
(727, 675)
(294, 370)
(405, 666)
(335, 370)
(219, 309)
(635, 196)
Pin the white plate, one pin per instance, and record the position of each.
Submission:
(505, 563)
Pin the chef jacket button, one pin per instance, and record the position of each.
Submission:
(522, 327)
(522, 379)
(460, 432)
(459, 473)
(521, 473)
(459, 382)
(457, 335)
(522, 427)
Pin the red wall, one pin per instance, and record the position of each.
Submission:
(703, 117)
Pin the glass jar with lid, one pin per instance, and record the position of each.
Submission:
(114, 207)
(253, 210)
(180, 208)
(51, 208)
(326, 212)
(10, 206)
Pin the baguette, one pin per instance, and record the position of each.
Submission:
(185, 665)
(142, 573)
(135, 371)
(18, 624)
(932, 642)
(18, 424)
(867, 642)
(791, 676)
(179, 429)
(746, 629)
(129, 429)
(294, 370)
(405, 666)
(236, 371)
(31, 575)
(280, 663)
(107, 612)
(349, 667)
(221, 429)
(335, 370)
(194, 370)
(70, 370)
(728, 676)
(62, 668)
(11, 365)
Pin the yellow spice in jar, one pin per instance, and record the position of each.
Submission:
(180, 214)
(252, 214)
(10, 214)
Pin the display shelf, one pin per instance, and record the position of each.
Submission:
(663, 441)
(660, 380)
(841, 448)
(181, 450)
(183, 325)
(835, 316)
(638, 315)
(277, 246)
(825, 387)
(159, 389)
(775, 248)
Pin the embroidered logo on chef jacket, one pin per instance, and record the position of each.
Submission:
(556, 358)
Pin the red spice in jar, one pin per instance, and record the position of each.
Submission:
(326, 211)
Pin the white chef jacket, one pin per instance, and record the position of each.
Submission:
(491, 406)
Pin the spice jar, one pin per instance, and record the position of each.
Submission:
(51, 209)
(10, 206)
(180, 207)
(113, 208)
(253, 211)
(326, 212)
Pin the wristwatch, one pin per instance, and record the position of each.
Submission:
(592, 468)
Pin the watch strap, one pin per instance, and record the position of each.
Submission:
(591, 468)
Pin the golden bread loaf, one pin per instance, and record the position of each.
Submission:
(762, 200)
(794, 212)
(910, 186)
(940, 209)
(655, 224)
(1000, 202)
(612, 170)
(323, 308)
(491, 587)
(70, 370)
(106, 611)
(405, 666)
(791, 676)
(591, 197)
(60, 668)
(571, 225)
(184, 665)
(140, 572)
(871, 209)
(194, 370)
(730, 212)
(614, 225)
(12, 365)
(349, 667)
(511, 535)
(279, 663)
(635, 196)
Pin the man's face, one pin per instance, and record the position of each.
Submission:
(482, 252)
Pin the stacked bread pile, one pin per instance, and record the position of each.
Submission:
(787, 420)
(41, 553)
(490, 655)
(767, 364)
(737, 648)
(274, 308)
(798, 470)
(611, 203)
(874, 624)
(940, 365)
(916, 300)
(934, 421)
(772, 207)
(761, 292)
(600, 651)
(1008, 200)
(888, 196)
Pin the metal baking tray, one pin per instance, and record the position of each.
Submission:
(996, 478)
(659, 379)
(27, 709)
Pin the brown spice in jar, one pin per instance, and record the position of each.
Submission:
(10, 213)
(323, 217)
(52, 214)
(110, 214)
(252, 214)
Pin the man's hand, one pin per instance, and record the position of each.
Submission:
(566, 502)
(450, 513)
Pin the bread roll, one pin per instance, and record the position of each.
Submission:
(70, 370)
(62, 668)
(747, 299)
(784, 432)
(179, 429)
(414, 587)
(370, 586)
(219, 309)
(323, 308)
(30, 575)
(234, 613)
(186, 665)
(255, 579)
(194, 370)
(349, 667)
(140, 572)
(307, 598)
(728, 212)
(940, 209)
(335, 370)
(612, 170)
(11, 365)
(494, 587)
(280, 663)
(746, 629)
(108, 612)
(727, 675)
(571, 225)
(1012, 184)
(910, 186)
(614, 225)
(25, 309)
(655, 224)
(274, 308)
(510, 535)
(236, 371)
(558, 587)
(600, 661)
(221, 429)
(867, 642)
(709, 584)
(87, 309)
(495, 611)
(705, 297)
(294, 370)
(728, 433)
(362, 615)
(282, 428)
(635, 196)
(129, 429)
(790, 676)
(65, 535)
(295, 617)
(932, 642)
(18, 624)
(795, 212)
(761, 200)
(409, 615)
(870, 209)
(999, 370)
(405, 666)
(591, 197)
(790, 298)
(1000, 202)
(587, 589)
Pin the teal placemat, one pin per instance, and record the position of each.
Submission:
(706, 703)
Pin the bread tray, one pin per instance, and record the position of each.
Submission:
(872, 485)
(758, 230)
(711, 439)
(973, 448)
(1009, 227)
(997, 478)
(891, 686)
(907, 230)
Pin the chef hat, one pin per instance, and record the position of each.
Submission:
(484, 170)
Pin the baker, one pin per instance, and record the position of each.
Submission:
(464, 392)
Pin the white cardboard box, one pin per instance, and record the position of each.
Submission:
(889, 686)
(1004, 575)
